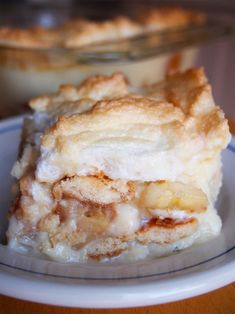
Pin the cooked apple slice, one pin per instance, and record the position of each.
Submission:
(173, 195)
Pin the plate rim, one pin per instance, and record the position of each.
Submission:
(129, 295)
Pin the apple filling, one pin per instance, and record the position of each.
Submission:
(82, 209)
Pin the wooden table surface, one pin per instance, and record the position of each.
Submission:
(219, 301)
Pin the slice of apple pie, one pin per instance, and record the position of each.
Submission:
(105, 171)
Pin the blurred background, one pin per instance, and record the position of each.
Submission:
(216, 56)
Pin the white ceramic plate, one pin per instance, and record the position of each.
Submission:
(188, 273)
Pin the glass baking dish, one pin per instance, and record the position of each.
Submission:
(26, 73)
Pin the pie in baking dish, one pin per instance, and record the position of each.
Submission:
(80, 32)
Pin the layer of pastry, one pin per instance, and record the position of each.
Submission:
(81, 32)
(93, 227)
(125, 135)
(105, 171)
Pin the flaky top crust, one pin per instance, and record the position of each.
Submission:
(82, 32)
(176, 117)
(183, 98)
(72, 99)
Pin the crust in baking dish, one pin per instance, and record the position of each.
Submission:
(81, 32)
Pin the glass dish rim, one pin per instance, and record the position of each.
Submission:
(137, 47)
